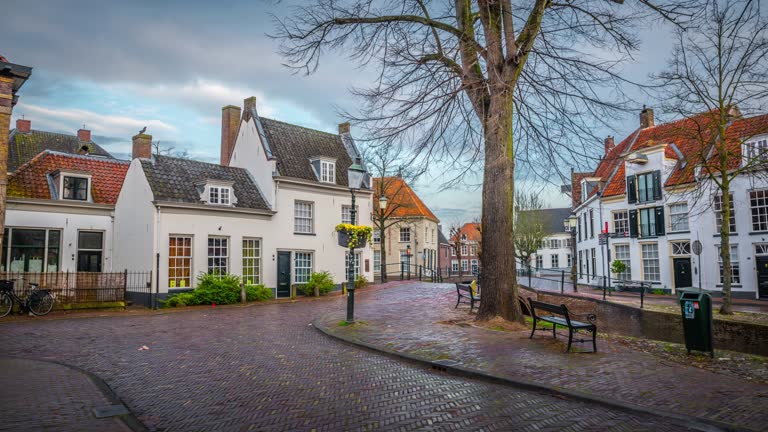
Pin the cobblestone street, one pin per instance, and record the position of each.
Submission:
(266, 368)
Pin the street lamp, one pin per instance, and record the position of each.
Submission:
(572, 222)
(382, 237)
(355, 176)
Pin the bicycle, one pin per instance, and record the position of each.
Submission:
(38, 302)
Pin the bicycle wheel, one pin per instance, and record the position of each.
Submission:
(40, 303)
(6, 304)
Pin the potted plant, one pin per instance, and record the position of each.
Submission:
(618, 267)
(353, 236)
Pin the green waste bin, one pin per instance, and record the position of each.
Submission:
(696, 308)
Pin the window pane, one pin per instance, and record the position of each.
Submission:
(251, 261)
(90, 240)
(179, 262)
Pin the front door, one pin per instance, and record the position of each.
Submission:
(762, 276)
(283, 274)
(683, 277)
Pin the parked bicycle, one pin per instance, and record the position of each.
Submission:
(38, 302)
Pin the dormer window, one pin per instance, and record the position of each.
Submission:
(219, 195)
(75, 188)
(327, 172)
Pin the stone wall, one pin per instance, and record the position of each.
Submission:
(614, 318)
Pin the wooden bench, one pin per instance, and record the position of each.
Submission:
(464, 292)
(561, 316)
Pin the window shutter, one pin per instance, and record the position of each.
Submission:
(633, 223)
(657, 185)
(660, 222)
(631, 190)
(316, 165)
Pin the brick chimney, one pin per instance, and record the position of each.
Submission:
(230, 123)
(24, 126)
(142, 146)
(83, 135)
(344, 128)
(249, 104)
(608, 144)
(646, 118)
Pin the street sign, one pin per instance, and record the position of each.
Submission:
(602, 239)
(696, 247)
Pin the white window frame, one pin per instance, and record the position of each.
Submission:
(717, 208)
(539, 261)
(621, 222)
(678, 211)
(758, 207)
(181, 262)
(346, 214)
(223, 245)
(327, 171)
(405, 234)
(376, 236)
(474, 266)
(554, 260)
(464, 265)
(735, 268)
(303, 220)
(648, 263)
(454, 265)
(357, 263)
(301, 273)
(219, 195)
(252, 264)
(680, 248)
(377, 261)
(622, 252)
(464, 250)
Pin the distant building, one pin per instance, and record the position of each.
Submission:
(465, 249)
(555, 251)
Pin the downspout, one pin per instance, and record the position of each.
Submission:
(157, 257)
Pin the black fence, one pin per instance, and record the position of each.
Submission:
(72, 290)
(406, 271)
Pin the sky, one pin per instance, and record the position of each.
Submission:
(115, 67)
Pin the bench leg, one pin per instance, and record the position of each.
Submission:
(570, 339)
(554, 328)
(534, 328)
(594, 339)
(457, 303)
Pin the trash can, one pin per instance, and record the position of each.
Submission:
(696, 308)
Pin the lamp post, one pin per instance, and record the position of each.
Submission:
(382, 238)
(355, 175)
(572, 221)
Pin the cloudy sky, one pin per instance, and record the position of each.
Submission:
(116, 67)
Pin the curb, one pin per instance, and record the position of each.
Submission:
(129, 420)
(695, 423)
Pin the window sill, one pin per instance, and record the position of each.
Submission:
(732, 286)
(304, 234)
(679, 232)
(758, 233)
(729, 235)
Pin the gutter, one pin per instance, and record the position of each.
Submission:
(60, 203)
(292, 180)
(171, 204)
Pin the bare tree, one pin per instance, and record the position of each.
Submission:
(160, 149)
(386, 164)
(456, 241)
(716, 72)
(530, 226)
(459, 79)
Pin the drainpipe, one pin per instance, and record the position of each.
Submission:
(157, 258)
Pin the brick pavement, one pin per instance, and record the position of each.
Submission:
(266, 368)
(406, 319)
(44, 396)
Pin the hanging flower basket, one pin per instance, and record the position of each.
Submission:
(353, 236)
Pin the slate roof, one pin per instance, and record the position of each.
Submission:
(553, 218)
(293, 147)
(401, 195)
(441, 239)
(31, 179)
(22, 147)
(174, 179)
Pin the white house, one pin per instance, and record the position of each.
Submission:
(555, 251)
(267, 212)
(655, 205)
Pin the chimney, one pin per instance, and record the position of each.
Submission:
(344, 128)
(24, 126)
(142, 146)
(608, 144)
(249, 104)
(84, 135)
(230, 122)
(646, 118)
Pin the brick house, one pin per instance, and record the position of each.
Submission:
(465, 250)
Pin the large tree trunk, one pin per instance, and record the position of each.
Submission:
(725, 247)
(499, 284)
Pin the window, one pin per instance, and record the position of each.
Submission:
(90, 248)
(453, 251)
(681, 248)
(357, 264)
(219, 195)
(75, 188)
(405, 235)
(474, 266)
(678, 217)
(29, 250)
(464, 265)
(578, 226)
(251, 261)
(539, 261)
(651, 221)
(454, 265)
(555, 260)
(377, 261)
(761, 249)
(376, 236)
(621, 253)
(569, 260)
(718, 208)
(651, 271)
(179, 261)
(302, 212)
(218, 255)
(735, 273)
(567, 243)
(580, 264)
(302, 266)
(591, 224)
(346, 214)
(327, 172)
(621, 222)
(586, 262)
(645, 183)
(473, 250)
(463, 250)
(463, 237)
(758, 202)
(594, 262)
(756, 150)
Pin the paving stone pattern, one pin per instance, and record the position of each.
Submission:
(266, 368)
(406, 318)
(43, 396)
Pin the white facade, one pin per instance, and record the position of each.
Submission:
(555, 253)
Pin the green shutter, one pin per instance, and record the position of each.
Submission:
(660, 222)
(633, 223)
(657, 185)
(631, 190)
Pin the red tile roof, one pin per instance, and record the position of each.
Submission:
(401, 198)
(472, 231)
(31, 179)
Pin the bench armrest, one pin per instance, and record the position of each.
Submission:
(592, 318)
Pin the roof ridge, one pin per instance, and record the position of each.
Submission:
(299, 126)
(86, 156)
(28, 163)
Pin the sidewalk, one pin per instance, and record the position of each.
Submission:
(416, 319)
(47, 396)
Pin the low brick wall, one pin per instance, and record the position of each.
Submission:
(614, 318)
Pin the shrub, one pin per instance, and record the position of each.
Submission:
(361, 282)
(181, 299)
(323, 281)
(257, 293)
(219, 289)
(618, 267)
